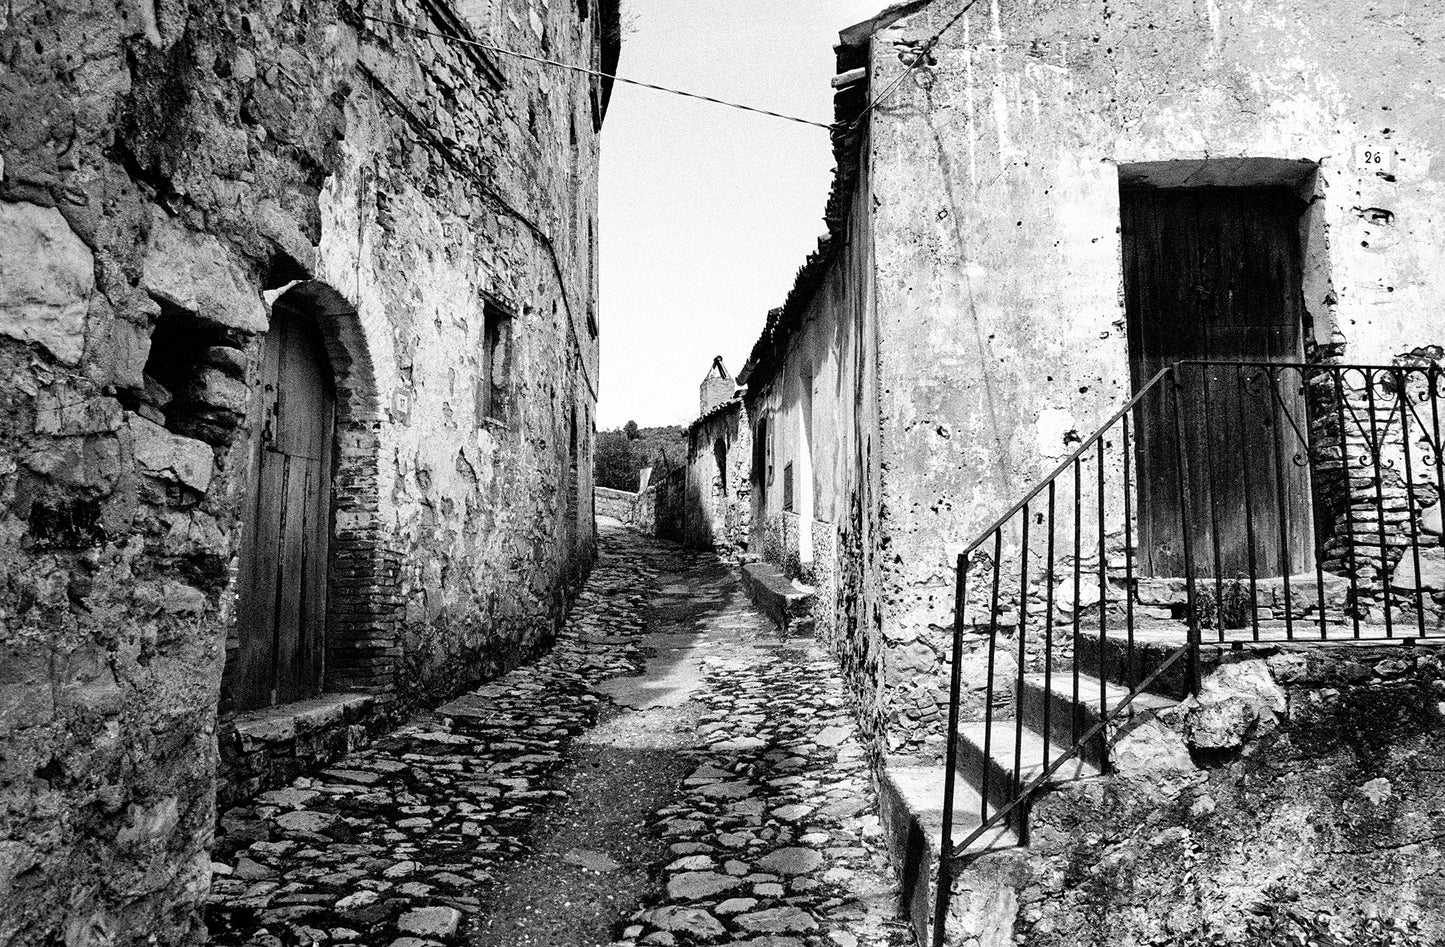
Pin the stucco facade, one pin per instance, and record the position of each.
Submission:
(969, 308)
(176, 178)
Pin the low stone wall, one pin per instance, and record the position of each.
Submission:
(638, 510)
(618, 504)
(267, 749)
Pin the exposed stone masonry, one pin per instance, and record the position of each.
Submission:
(171, 174)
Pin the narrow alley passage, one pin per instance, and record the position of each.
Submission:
(672, 772)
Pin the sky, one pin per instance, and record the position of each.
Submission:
(707, 212)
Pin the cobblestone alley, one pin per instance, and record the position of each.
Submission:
(671, 772)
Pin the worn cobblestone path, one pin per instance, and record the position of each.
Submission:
(672, 772)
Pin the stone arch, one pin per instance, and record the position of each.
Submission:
(363, 610)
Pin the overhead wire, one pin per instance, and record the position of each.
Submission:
(919, 58)
(502, 51)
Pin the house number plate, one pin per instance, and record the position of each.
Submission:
(1375, 156)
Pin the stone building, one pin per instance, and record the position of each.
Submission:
(719, 461)
(703, 502)
(1036, 219)
(299, 340)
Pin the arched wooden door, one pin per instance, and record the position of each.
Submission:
(281, 614)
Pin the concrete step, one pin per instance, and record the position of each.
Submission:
(911, 810)
(780, 598)
(1005, 748)
(1067, 720)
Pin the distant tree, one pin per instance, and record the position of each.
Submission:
(615, 466)
(622, 453)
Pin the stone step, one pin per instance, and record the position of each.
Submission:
(1117, 659)
(910, 806)
(1006, 746)
(1068, 720)
(779, 597)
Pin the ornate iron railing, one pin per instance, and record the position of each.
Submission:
(1227, 502)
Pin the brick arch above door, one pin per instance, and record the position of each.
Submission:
(362, 647)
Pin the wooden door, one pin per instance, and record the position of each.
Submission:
(281, 612)
(1214, 274)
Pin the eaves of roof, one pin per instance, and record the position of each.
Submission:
(848, 103)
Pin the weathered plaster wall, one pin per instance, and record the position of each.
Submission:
(719, 480)
(825, 367)
(171, 170)
(996, 176)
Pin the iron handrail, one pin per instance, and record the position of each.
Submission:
(961, 848)
(1301, 421)
(1082, 449)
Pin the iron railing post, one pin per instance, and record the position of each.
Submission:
(955, 688)
(1192, 670)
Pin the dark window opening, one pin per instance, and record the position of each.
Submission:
(760, 459)
(720, 457)
(66, 523)
(493, 386)
(574, 479)
(194, 379)
(788, 487)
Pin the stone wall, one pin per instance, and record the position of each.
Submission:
(719, 480)
(1294, 801)
(634, 509)
(170, 174)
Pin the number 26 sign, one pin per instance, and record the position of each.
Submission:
(1375, 156)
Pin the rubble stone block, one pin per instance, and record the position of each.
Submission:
(194, 272)
(47, 276)
(171, 456)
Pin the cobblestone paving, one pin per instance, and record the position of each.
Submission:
(515, 819)
(776, 843)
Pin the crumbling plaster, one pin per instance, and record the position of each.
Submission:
(1001, 319)
(719, 479)
(833, 350)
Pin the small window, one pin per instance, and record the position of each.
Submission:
(788, 487)
(768, 446)
(759, 474)
(492, 386)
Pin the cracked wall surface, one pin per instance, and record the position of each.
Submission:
(996, 175)
(171, 173)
